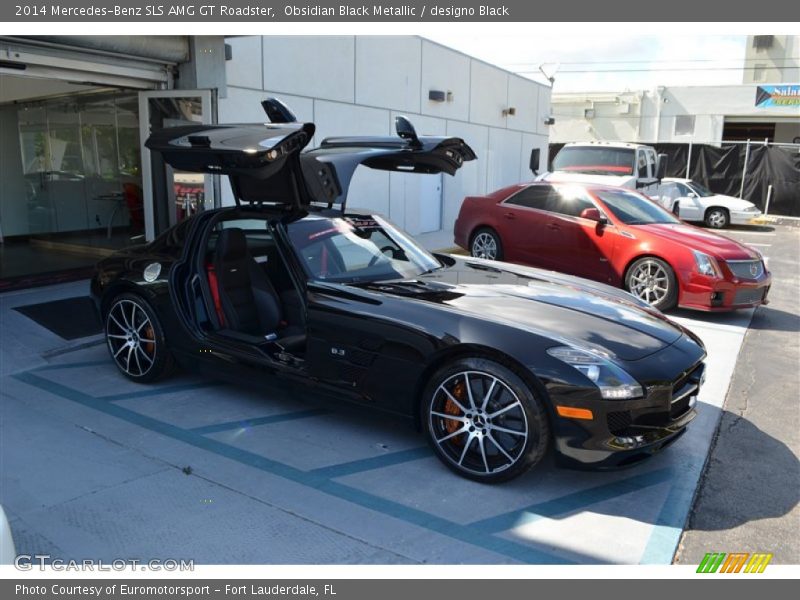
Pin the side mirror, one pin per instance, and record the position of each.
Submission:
(534, 163)
(592, 214)
(406, 131)
(277, 111)
(661, 166)
(691, 195)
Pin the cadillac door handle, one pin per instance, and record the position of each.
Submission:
(553, 227)
(510, 215)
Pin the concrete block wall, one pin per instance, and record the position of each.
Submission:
(356, 85)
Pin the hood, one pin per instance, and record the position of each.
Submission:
(626, 181)
(570, 309)
(729, 202)
(703, 240)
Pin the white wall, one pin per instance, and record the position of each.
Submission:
(357, 85)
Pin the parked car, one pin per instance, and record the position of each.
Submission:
(615, 236)
(694, 202)
(496, 363)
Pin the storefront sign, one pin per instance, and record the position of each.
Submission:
(777, 95)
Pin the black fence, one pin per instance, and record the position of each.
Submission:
(721, 169)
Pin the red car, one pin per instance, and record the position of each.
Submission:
(615, 236)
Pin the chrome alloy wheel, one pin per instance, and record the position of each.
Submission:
(478, 422)
(717, 219)
(484, 246)
(131, 337)
(649, 282)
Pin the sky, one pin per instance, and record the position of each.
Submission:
(611, 63)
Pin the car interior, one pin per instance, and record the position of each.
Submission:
(251, 296)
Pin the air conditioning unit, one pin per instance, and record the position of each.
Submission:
(763, 42)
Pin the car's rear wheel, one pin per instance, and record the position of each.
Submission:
(483, 421)
(653, 280)
(486, 244)
(135, 339)
(717, 218)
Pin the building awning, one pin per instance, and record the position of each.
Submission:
(140, 62)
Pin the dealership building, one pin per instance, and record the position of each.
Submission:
(75, 110)
(699, 114)
(765, 107)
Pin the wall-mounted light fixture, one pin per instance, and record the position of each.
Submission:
(589, 113)
(549, 120)
(437, 95)
(509, 112)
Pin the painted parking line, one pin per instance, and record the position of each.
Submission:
(457, 531)
(764, 233)
(573, 502)
(375, 462)
(75, 365)
(659, 542)
(255, 422)
(158, 391)
(480, 533)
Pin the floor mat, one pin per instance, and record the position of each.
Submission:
(69, 319)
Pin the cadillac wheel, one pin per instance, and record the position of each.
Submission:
(483, 420)
(136, 340)
(652, 280)
(486, 244)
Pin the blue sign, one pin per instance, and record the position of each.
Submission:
(778, 96)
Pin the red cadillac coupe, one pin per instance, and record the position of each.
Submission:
(614, 236)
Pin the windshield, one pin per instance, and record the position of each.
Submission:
(700, 190)
(633, 209)
(357, 250)
(596, 160)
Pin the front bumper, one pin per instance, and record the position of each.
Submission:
(623, 433)
(701, 292)
(744, 217)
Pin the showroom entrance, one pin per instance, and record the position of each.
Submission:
(77, 183)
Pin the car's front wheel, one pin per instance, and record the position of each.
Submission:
(483, 421)
(653, 280)
(135, 339)
(717, 218)
(486, 244)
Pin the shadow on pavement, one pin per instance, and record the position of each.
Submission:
(774, 319)
(756, 478)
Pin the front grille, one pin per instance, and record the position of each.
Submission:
(684, 389)
(748, 296)
(618, 422)
(746, 269)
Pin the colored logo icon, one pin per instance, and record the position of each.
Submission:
(736, 562)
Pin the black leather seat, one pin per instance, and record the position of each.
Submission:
(249, 302)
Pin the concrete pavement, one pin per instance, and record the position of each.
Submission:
(748, 497)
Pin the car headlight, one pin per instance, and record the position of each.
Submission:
(752, 208)
(612, 381)
(706, 265)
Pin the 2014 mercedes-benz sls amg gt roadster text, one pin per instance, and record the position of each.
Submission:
(496, 363)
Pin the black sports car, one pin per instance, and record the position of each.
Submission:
(495, 362)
